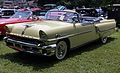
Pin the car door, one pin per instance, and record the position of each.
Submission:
(85, 32)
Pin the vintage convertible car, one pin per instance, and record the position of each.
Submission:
(62, 31)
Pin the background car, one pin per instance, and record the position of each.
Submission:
(114, 13)
(40, 13)
(49, 6)
(32, 12)
(92, 12)
(22, 15)
(7, 13)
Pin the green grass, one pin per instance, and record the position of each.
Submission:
(92, 58)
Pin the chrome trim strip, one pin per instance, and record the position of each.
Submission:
(106, 29)
(54, 39)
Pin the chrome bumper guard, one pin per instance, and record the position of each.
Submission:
(44, 50)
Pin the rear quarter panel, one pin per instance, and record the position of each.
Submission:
(106, 27)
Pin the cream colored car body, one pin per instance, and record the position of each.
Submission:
(76, 33)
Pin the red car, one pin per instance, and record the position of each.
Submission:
(4, 22)
(19, 17)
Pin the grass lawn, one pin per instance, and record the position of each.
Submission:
(92, 58)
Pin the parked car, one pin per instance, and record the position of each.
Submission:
(8, 4)
(34, 12)
(19, 17)
(114, 13)
(49, 6)
(92, 12)
(61, 32)
(40, 13)
(7, 13)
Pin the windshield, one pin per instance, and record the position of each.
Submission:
(65, 16)
(22, 14)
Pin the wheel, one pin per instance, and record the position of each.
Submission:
(104, 40)
(61, 50)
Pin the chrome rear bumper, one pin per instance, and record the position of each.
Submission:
(29, 47)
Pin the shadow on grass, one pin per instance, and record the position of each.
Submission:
(41, 62)
(89, 47)
(36, 61)
(1, 38)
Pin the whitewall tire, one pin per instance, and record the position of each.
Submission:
(104, 40)
(61, 50)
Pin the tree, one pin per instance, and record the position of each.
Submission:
(88, 3)
(1, 2)
(42, 2)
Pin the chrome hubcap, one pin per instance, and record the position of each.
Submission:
(61, 50)
(104, 40)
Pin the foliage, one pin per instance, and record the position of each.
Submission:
(88, 3)
(1, 2)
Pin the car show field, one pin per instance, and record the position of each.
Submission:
(59, 36)
(59, 33)
(91, 58)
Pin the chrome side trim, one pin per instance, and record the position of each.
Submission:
(66, 36)
(106, 29)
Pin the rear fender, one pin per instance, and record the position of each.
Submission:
(105, 27)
